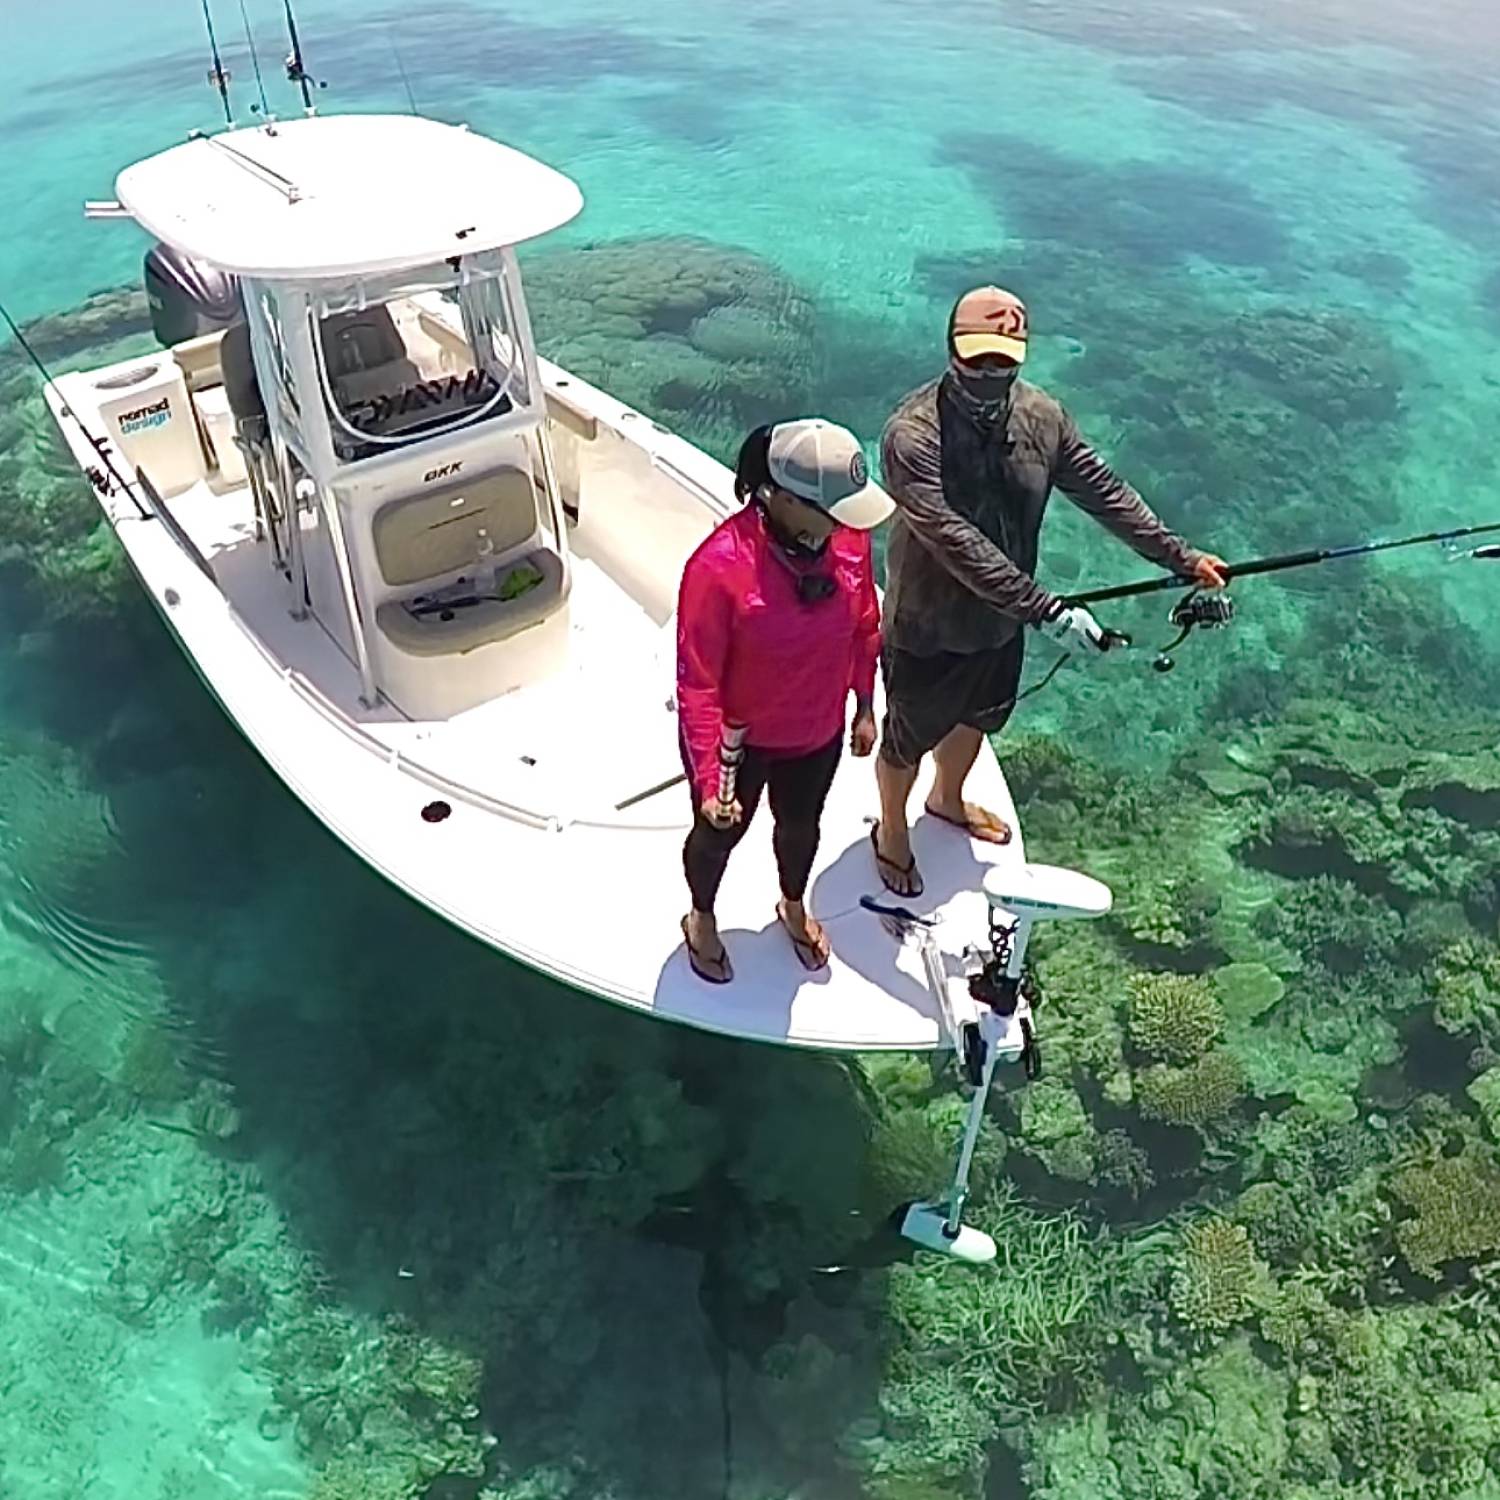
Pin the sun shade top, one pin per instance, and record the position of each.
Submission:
(341, 195)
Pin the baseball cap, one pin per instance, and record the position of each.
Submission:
(989, 320)
(822, 463)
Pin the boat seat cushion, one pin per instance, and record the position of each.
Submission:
(458, 627)
(427, 537)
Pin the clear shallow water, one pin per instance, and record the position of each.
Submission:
(303, 1195)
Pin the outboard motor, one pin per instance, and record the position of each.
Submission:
(188, 297)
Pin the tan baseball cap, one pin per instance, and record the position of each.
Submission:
(822, 463)
(989, 320)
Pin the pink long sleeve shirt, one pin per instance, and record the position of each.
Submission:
(750, 652)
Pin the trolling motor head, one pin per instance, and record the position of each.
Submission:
(1210, 611)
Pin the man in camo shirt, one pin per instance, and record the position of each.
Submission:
(970, 460)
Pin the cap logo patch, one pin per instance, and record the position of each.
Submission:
(859, 474)
(1010, 321)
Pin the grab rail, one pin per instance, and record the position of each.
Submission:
(158, 508)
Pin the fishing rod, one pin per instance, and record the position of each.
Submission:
(1214, 610)
(263, 108)
(1285, 560)
(296, 68)
(217, 74)
(96, 476)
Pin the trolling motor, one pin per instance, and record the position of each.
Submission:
(989, 1021)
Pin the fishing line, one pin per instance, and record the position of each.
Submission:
(97, 444)
(411, 98)
(260, 82)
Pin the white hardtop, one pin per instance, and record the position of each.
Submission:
(343, 195)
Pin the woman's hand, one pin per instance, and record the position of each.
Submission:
(862, 733)
(722, 814)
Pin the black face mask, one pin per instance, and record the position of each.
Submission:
(794, 547)
(983, 393)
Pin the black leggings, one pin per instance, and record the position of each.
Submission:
(799, 786)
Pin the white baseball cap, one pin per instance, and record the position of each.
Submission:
(822, 463)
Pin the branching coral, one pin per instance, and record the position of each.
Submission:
(1455, 1204)
(972, 1345)
(1218, 1281)
(1174, 1016)
(1198, 1094)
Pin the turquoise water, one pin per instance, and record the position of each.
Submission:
(303, 1195)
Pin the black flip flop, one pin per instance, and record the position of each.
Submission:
(908, 871)
(697, 961)
(809, 955)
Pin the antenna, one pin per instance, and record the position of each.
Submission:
(296, 69)
(216, 74)
(262, 108)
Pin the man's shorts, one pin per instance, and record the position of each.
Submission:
(927, 696)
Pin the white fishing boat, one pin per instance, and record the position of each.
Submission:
(432, 577)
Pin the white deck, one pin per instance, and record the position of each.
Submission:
(561, 879)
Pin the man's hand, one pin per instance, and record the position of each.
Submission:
(862, 733)
(1075, 629)
(1209, 571)
(722, 814)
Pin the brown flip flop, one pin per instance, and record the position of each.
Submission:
(908, 872)
(811, 954)
(696, 959)
(979, 822)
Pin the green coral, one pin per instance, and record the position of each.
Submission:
(973, 1343)
(1464, 982)
(1248, 990)
(1199, 1094)
(1455, 1210)
(1218, 1281)
(1174, 1016)
(1057, 1129)
(1272, 1218)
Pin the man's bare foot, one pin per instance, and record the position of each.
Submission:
(978, 822)
(807, 935)
(895, 862)
(706, 953)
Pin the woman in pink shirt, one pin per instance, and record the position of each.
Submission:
(777, 622)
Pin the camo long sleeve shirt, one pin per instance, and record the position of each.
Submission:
(961, 564)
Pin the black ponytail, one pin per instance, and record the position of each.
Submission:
(752, 468)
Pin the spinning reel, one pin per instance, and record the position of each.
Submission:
(1195, 610)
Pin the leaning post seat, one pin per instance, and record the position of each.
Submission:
(450, 555)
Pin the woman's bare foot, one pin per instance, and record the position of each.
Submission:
(706, 953)
(807, 935)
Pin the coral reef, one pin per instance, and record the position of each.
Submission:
(711, 339)
(1199, 1094)
(1174, 1016)
(1219, 1281)
(1455, 1210)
